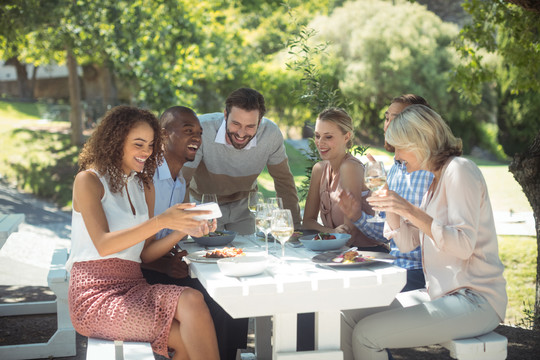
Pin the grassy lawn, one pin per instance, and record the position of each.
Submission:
(39, 158)
(518, 254)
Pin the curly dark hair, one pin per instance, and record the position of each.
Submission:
(104, 149)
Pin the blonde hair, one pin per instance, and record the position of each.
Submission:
(421, 130)
(341, 118)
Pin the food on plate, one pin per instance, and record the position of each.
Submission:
(324, 236)
(296, 235)
(351, 257)
(226, 252)
(215, 233)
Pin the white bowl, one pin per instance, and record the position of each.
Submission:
(243, 265)
(325, 245)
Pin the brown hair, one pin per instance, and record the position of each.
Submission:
(410, 99)
(104, 149)
(341, 118)
(246, 99)
(407, 99)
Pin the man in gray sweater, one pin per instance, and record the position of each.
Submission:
(236, 147)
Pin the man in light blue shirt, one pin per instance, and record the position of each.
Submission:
(182, 137)
(411, 186)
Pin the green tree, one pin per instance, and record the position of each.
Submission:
(512, 33)
(17, 19)
(381, 49)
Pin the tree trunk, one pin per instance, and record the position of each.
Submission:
(526, 170)
(75, 115)
(110, 93)
(25, 90)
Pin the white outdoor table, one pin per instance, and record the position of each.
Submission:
(299, 287)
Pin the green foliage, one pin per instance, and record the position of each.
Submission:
(500, 45)
(41, 162)
(375, 61)
(312, 155)
(507, 30)
(318, 91)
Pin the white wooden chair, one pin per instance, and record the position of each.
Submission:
(62, 343)
(99, 349)
(491, 346)
(9, 223)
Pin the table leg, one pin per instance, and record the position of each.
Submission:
(327, 330)
(263, 336)
(284, 331)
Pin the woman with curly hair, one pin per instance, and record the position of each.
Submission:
(112, 232)
(465, 293)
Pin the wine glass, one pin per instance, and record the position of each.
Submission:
(375, 177)
(208, 198)
(254, 198)
(275, 202)
(263, 218)
(282, 227)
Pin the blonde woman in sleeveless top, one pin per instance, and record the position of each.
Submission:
(337, 172)
(113, 230)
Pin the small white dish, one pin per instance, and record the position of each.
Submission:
(212, 206)
(243, 265)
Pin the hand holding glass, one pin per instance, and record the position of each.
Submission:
(282, 227)
(208, 198)
(375, 177)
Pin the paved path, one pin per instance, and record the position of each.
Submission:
(26, 255)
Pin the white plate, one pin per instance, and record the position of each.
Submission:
(372, 259)
(199, 256)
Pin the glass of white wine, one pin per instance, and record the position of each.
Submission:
(254, 198)
(282, 227)
(375, 177)
(263, 218)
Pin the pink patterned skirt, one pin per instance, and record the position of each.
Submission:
(110, 299)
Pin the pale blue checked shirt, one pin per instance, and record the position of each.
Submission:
(412, 187)
(169, 192)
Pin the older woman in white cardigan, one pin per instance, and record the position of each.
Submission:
(454, 226)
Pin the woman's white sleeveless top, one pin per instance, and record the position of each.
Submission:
(119, 216)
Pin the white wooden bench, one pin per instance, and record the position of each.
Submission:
(9, 223)
(62, 343)
(99, 349)
(491, 346)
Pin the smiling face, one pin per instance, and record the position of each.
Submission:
(330, 140)
(242, 126)
(183, 137)
(138, 146)
(409, 159)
